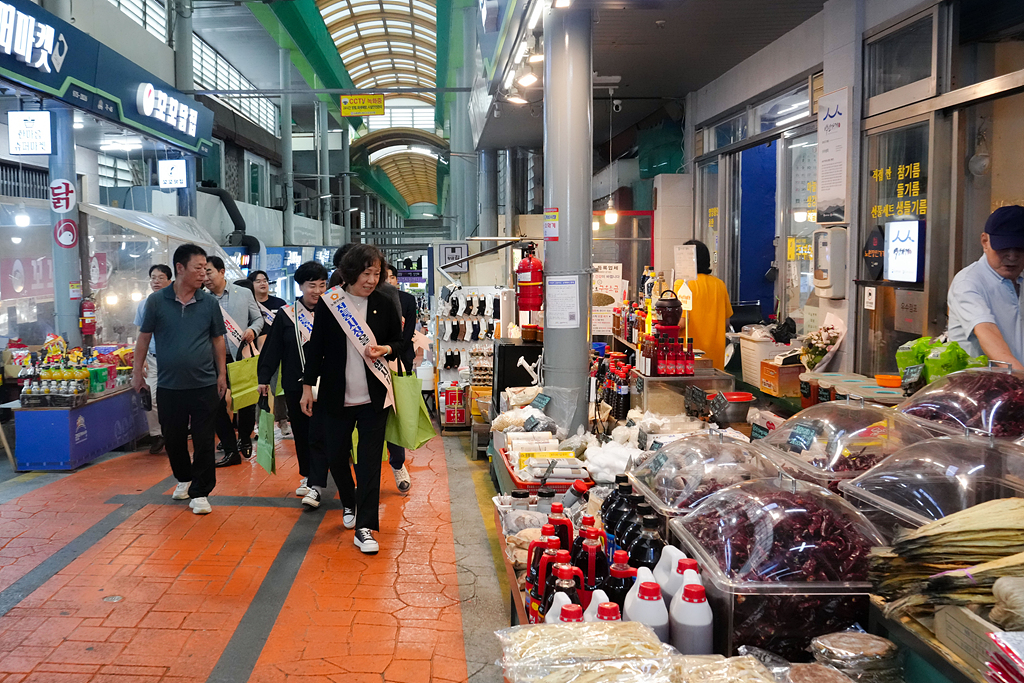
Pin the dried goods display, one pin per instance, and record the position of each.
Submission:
(860, 656)
(815, 673)
(986, 399)
(732, 670)
(784, 561)
(568, 643)
(669, 669)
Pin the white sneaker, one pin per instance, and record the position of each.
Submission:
(181, 491)
(200, 506)
(286, 429)
(312, 498)
(402, 480)
(303, 488)
(364, 541)
(348, 518)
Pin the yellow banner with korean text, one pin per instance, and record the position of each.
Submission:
(362, 105)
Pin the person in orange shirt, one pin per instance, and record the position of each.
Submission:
(711, 309)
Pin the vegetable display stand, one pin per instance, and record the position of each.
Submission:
(65, 438)
(517, 610)
(927, 660)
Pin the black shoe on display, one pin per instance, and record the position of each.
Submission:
(229, 459)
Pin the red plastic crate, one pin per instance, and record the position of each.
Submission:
(533, 486)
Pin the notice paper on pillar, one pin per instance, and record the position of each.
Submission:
(685, 262)
(607, 288)
(550, 225)
(833, 149)
(562, 302)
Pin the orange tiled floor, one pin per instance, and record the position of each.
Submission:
(161, 596)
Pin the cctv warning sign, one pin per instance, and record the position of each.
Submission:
(362, 105)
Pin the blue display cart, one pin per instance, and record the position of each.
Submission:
(66, 438)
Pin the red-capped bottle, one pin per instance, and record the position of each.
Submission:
(533, 555)
(689, 360)
(608, 611)
(562, 524)
(562, 562)
(536, 595)
(620, 578)
(571, 614)
(593, 563)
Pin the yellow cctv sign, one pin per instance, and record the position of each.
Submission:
(362, 105)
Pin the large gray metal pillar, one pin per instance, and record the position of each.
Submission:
(568, 167)
(463, 158)
(181, 16)
(346, 187)
(64, 222)
(488, 159)
(510, 191)
(287, 162)
(324, 170)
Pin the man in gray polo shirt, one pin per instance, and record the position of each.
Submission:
(191, 376)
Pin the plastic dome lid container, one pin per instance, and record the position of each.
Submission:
(829, 442)
(990, 400)
(783, 561)
(933, 479)
(685, 472)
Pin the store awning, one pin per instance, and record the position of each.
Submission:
(181, 229)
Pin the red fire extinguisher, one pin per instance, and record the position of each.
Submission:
(530, 281)
(87, 319)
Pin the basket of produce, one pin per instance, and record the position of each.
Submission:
(989, 400)
(685, 472)
(829, 442)
(932, 479)
(783, 561)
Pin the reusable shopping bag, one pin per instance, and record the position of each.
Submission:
(265, 444)
(409, 423)
(243, 382)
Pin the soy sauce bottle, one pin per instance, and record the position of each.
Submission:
(620, 578)
(620, 522)
(646, 550)
(622, 488)
(628, 533)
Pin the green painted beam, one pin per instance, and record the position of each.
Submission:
(449, 54)
(375, 180)
(298, 27)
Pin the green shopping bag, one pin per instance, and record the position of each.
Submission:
(355, 447)
(409, 423)
(243, 382)
(265, 444)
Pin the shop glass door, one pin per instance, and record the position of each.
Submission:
(798, 220)
(708, 230)
(627, 241)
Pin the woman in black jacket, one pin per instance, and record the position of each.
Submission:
(350, 395)
(282, 348)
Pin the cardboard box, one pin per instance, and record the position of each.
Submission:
(780, 380)
(474, 394)
(966, 634)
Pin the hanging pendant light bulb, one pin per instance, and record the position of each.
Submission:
(611, 216)
(21, 217)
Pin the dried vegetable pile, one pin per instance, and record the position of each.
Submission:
(953, 561)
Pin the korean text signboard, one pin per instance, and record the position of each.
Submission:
(362, 105)
(28, 132)
(40, 51)
(834, 137)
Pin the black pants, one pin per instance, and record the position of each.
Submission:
(396, 456)
(330, 442)
(246, 418)
(177, 410)
(300, 431)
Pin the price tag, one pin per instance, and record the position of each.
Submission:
(541, 402)
(685, 297)
(913, 379)
(758, 432)
(719, 403)
(658, 461)
(695, 398)
(530, 423)
(802, 437)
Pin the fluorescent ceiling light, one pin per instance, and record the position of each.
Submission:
(514, 97)
(794, 106)
(790, 119)
(16, 240)
(528, 78)
(535, 15)
(562, 4)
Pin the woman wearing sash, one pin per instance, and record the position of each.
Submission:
(355, 330)
(292, 324)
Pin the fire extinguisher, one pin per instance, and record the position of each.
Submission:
(530, 281)
(87, 319)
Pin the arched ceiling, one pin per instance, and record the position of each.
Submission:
(391, 137)
(413, 174)
(386, 43)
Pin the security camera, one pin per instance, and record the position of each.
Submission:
(616, 106)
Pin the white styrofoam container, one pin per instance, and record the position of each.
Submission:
(753, 351)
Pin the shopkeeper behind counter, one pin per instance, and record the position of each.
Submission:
(985, 297)
(711, 308)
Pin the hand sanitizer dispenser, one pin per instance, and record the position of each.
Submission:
(830, 262)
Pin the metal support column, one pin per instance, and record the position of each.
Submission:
(324, 170)
(64, 222)
(287, 162)
(346, 187)
(568, 167)
(488, 175)
(181, 15)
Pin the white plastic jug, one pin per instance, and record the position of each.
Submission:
(642, 574)
(691, 621)
(596, 598)
(665, 571)
(555, 612)
(649, 609)
(690, 577)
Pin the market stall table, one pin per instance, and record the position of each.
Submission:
(66, 438)
(517, 613)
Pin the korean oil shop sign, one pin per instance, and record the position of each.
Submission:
(44, 53)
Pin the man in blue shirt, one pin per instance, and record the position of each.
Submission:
(985, 297)
(159, 277)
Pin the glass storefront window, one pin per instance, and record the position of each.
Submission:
(26, 270)
(991, 40)
(799, 223)
(708, 211)
(627, 241)
(727, 132)
(900, 58)
(784, 109)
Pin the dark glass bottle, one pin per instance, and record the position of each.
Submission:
(630, 530)
(622, 488)
(620, 579)
(629, 517)
(592, 561)
(564, 583)
(646, 550)
(622, 508)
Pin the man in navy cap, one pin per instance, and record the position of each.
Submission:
(985, 297)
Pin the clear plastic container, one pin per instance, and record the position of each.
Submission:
(833, 441)
(935, 478)
(685, 472)
(783, 561)
(989, 399)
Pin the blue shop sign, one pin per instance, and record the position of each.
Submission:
(324, 256)
(47, 54)
(292, 259)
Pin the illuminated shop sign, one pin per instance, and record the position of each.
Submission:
(29, 40)
(165, 108)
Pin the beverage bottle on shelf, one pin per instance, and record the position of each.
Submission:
(646, 550)
(597, 598)
(680, 362)
(536, 595)
(562, 524)
(688, 359)
(561, 568)
(691, 577)
(622, 488)
(691, 622)
(587, 522)
(570, 613)
(665, 572)
(592, 563)
(630, 529)
(643, 574)
(622, 510)
(620, 578)
(533, 555)
(649, 609)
